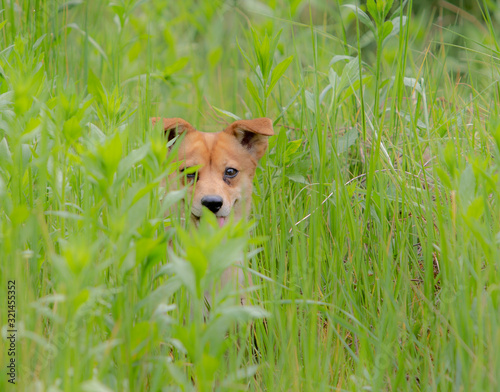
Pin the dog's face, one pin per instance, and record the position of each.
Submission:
(227, 161)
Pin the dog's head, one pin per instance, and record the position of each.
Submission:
(227, 161)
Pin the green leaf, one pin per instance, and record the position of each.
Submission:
(414, 84)
(144, 191)
(347, 140)
(96, 133)
(38, 41)
(173, 197)
(387, 29)
(247, 59)
(140, 336)
(95, 87)
(5, 154)
(322, 95)
(310, 101)
(444, 177)
(227, 255)
(184, 271)
(65, 215)
(160, 295)
(337, 58)
(26, 154)
(111, 154)
(176, 66)
(277, 73)
(387, 7)
(372, 8)
(244, 313)
(363, 18)
(134, 157)
(72, 129)
(147, 248)
(298, 178)
(20, 214)
(94, 386)
(226, 113)
(397, 23)
(264, 51)
(178, 375)
(198, 260)
(240, 374)
(350, 74)
(476, 208)
(450, 157)
(254, 93)
(292, 147)
(208, 366)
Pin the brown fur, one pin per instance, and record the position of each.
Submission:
(239, 146)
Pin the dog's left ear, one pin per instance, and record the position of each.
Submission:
(252, 134)
(173, 126)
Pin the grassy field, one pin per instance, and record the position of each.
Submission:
(375, 237)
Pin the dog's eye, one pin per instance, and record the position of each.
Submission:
(230, 172)
(189, 176)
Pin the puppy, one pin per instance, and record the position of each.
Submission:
(227, 161)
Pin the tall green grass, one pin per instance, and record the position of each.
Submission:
(374, 242)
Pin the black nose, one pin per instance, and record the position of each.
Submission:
(212, 202)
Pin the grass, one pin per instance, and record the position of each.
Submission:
(375, 232)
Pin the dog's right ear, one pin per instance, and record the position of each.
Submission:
(173, 126)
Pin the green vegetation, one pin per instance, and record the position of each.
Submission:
(375, 238)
